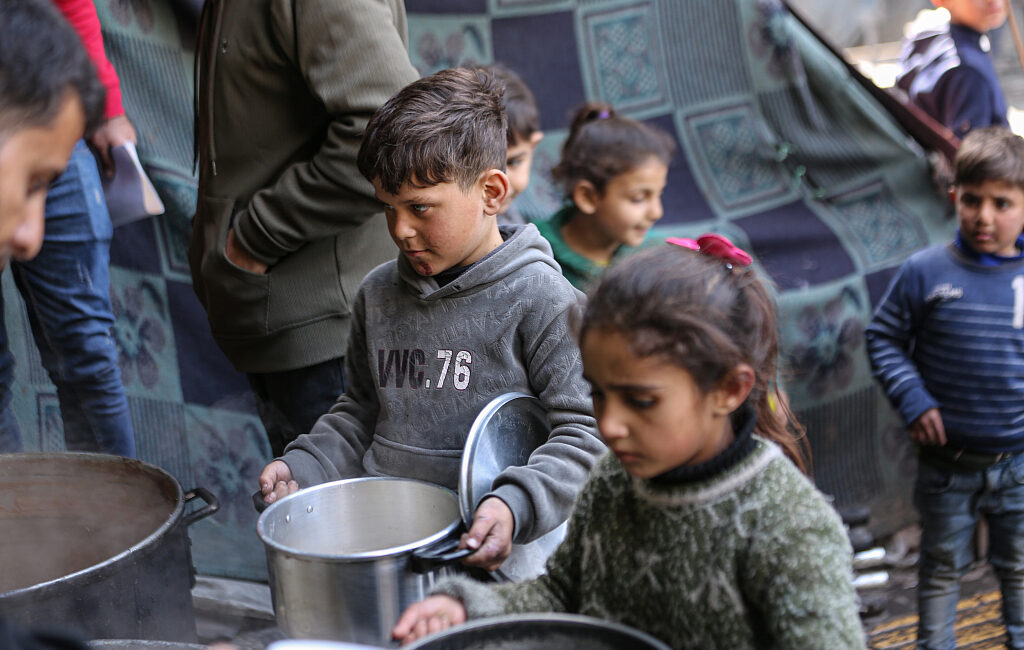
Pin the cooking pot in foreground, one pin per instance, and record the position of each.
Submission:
(346, 558)
(96, 544)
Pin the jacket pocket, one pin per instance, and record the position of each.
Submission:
(236, 300)
(1017, 468)
(304, 287)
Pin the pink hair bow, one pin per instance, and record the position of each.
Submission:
(716, 246)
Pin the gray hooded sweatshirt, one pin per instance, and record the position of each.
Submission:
(423, 360)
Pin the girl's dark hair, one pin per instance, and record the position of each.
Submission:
(693, 311)
(602, 145)
(42, 62)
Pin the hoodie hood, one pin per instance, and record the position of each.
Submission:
(523, 246)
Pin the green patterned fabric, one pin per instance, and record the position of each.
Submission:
(779, 151)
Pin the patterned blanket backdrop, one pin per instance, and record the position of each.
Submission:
(779, 151)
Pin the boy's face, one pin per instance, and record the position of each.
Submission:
(991, 216)
(30, 159)
(980, 15)
(440, 227)
(518, 162)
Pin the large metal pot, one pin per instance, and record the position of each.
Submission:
(346, 558)
(540, 632)
(97, 545)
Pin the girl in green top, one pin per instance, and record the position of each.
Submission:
(613, 171)
(697, 527)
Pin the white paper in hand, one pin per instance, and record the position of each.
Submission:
(130, 194)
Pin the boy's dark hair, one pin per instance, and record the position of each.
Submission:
(41, 61)
(520, 106)
(990, 154)
(691, 310)
(602, 145)
(448, 127)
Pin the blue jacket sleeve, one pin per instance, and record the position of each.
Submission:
(890, 339)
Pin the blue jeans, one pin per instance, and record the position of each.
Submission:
(290, 402)
(950, 503)
(66, 289)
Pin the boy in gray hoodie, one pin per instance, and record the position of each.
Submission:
(467, 312)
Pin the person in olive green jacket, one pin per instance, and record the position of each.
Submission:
(285, 226)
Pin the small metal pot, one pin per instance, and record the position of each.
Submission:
(346, 558)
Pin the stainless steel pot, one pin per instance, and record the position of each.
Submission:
(96, 544)
(346, 558)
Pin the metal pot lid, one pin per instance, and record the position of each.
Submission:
(505, 434)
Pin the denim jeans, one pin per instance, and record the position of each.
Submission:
(290, 402)
(66, 289)
(950, 503)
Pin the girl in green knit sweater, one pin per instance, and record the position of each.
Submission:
(694, 528)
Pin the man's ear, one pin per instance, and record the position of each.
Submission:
(494, 186)
(585, 196)
(952, 194)
(734, 388)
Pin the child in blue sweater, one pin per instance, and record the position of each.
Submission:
(947, 344)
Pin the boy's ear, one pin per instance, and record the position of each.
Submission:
(733, 389)
(585, 196)
(495, 187)
(536, 137)
(952, 194)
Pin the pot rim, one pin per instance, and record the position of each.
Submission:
(101, 569)
(537, 618)
(377, 554)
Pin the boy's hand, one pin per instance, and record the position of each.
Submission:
(431, 615)
(491, 534)
(928, 429)
(276, 481)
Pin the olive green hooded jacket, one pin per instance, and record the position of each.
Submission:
(284, 91)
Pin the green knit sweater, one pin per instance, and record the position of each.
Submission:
(752, 557)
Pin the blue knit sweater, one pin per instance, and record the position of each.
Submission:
(950, 334)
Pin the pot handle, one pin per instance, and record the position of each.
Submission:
(445, 552)
(258, 502)
(212, 505)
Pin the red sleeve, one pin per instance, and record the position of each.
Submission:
(82, 16)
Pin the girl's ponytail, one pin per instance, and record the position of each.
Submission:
(603, 144)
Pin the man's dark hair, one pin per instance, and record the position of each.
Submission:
(520, 106)
(990, 154)
(448, 127)
(41, 61)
